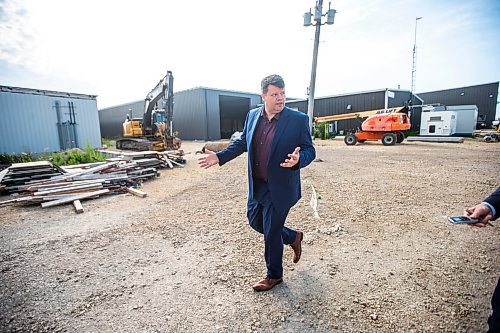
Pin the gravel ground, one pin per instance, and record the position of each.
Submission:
(381, 257)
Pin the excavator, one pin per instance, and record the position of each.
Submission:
(154, 130)
(387, 125)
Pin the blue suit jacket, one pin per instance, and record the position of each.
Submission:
(494, 200)
(292, 131)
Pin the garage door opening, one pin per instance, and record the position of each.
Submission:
(233, 111)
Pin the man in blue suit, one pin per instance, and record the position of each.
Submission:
(486, 211)
(278, 142)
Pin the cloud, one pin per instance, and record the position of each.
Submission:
(16, 35)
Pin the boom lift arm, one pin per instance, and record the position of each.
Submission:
(361, 114)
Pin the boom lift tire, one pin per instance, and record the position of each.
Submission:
(389, 139)
(400, 137)
(350, 139)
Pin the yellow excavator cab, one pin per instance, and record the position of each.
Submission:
(132, 128)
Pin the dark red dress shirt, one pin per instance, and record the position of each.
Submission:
(261, 144)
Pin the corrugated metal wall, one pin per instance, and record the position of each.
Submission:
(364, 101)
(484, 96)
(196, 113)
(29, 120)
(190, 114)
(111, 119)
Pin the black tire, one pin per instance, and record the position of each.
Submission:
(350, 139)
(389, 139)
(400, 136)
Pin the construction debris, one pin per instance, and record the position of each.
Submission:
(18, 174)
(48, 185)
(136, 192)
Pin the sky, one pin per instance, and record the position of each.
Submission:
(119, 50)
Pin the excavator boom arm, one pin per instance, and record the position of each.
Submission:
(163, 90)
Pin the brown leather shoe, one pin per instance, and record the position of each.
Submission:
(297, 246)
(266, 284)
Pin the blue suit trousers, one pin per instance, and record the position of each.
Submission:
(494, 319)
(266, 219)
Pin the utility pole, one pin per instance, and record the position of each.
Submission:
(318, 14)
(414, 66)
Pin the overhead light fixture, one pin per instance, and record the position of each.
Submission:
(462, 93)
(349, 106)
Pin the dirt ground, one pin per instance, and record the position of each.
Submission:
(381, 257)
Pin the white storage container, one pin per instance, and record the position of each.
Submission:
(438, 123)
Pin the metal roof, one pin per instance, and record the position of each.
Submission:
(30, 91)
(357, 93)
(464, 87)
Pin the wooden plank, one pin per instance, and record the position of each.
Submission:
(73, 198)
(31, 165)
(91, 170)
(61, 185)
(57, 196)
(82, 166)
(121, 175)
(3, 173)
(136, 192)
(169, 163)
(178, 164)
(69, 189)
(21, 199)
(78, 206)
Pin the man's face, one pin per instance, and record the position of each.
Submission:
(274, 99)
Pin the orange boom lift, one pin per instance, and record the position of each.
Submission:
(387, 125)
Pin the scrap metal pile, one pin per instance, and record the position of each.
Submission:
(48, 185)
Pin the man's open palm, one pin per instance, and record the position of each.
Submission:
(293, 159)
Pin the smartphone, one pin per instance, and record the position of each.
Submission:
(462, 220)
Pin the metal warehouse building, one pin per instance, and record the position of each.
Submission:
(357, 102)
(40, 121)
(213, 114)
(199, 113)
(484, 96)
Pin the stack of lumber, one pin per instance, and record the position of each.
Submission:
(166, 159)
(19, 173)
(75, 183)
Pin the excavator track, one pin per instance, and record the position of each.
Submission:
(138, 145)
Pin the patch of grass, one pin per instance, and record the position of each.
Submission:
(20, 158)
(68, 157)
(76, 156)
(109, 141)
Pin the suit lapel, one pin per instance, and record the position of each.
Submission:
(252, 123)
(280, 129)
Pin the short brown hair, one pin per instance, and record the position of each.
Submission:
(272, 80)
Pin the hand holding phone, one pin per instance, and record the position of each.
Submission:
(462, 220)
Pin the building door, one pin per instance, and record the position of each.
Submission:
(233, 111)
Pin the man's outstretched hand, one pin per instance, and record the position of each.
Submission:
(292, 160)
(480, 212)
(208, 159)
